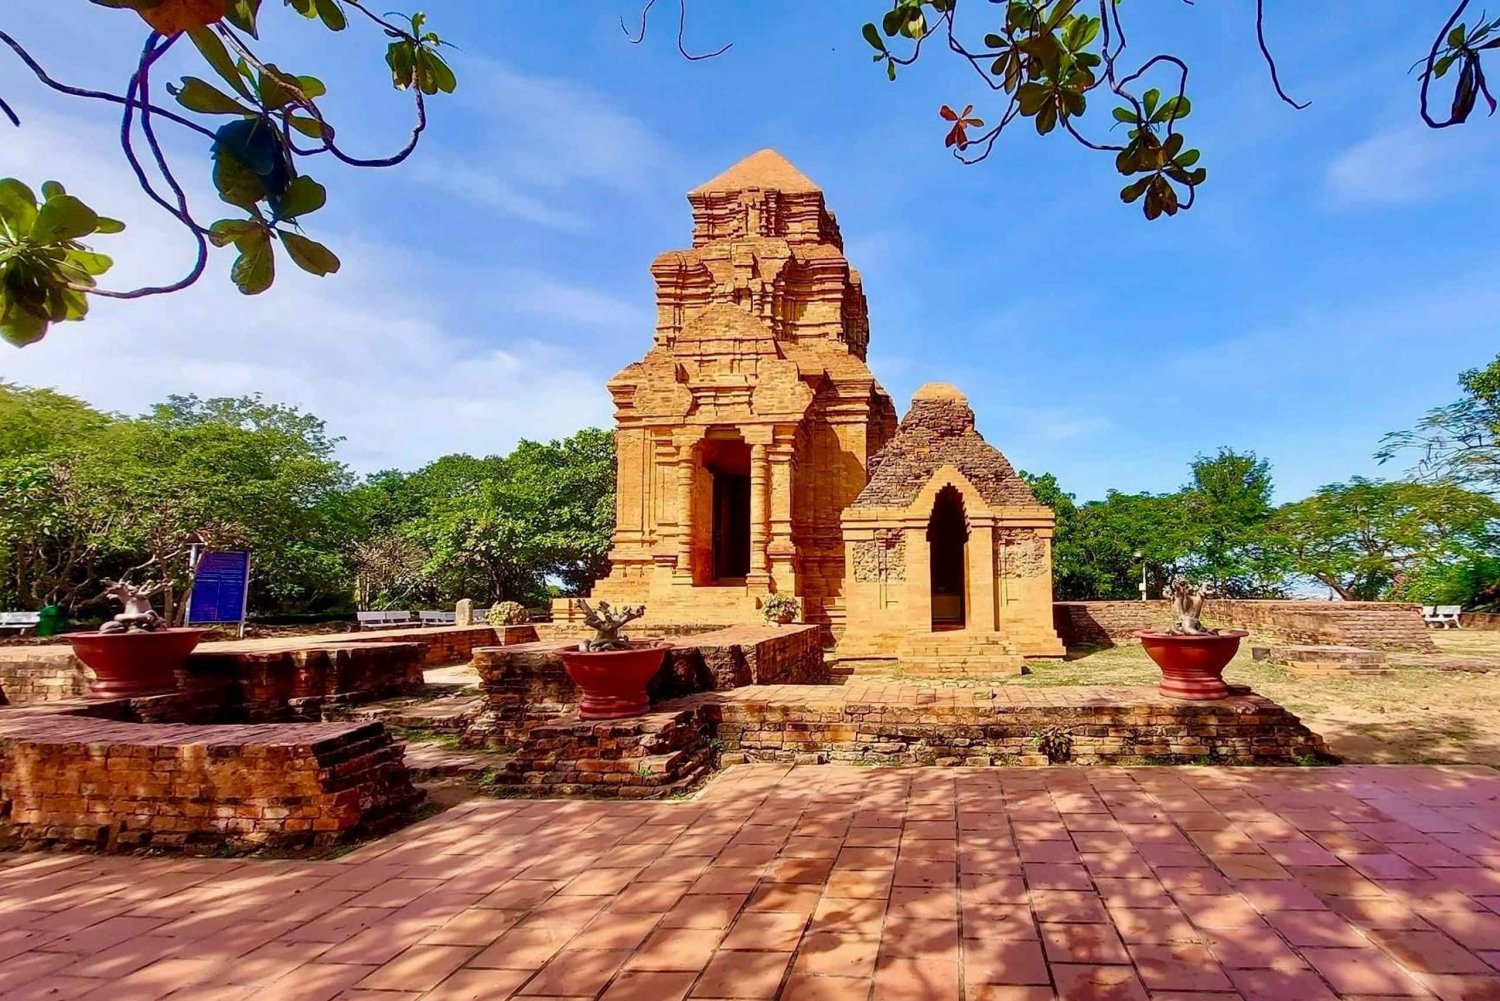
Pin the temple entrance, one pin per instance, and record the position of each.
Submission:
(948, 537)
(729, 467)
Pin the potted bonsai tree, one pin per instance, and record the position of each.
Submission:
(781, 610)
(1192, 658)
(612, 670)
(135, 653)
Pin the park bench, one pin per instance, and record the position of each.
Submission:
(1442, 616)
(437, 618)
(384, 620)
(19, 621)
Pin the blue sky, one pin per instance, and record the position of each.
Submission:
(1338, 273)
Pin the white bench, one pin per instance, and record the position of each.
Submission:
(383, 620)
(19, 621)
(1442, 616)
(438, 618)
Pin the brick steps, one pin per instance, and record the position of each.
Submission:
(959, 654)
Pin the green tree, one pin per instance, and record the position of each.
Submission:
(1225, 509)
(37, 420)
(1364, 537)
(271, 120)
(1461, 441)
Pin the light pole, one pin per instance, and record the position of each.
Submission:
(1142, 557)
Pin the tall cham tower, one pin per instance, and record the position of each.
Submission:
(749, 426)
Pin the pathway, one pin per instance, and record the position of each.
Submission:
(821, 884)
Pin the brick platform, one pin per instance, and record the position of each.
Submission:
(1327, 661)
(1374, 625)
(644, 758)
(527, 684)
(300, 684)
(895, 723)
(80, 780)
(36, 673)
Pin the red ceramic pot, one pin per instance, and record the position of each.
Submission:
(614, 681)
(128, 665)
(1192, 666)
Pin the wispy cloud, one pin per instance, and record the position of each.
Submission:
(557, 142)
(1411, 165)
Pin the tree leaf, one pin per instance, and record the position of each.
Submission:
(872, 35)
(206, 99)
(17, 207)
(303, 197)
(226, 231)
(255, 269)
(309, 255)
(63, 218)
(332, 14)
(217, 56)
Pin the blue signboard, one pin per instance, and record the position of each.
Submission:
(221, 588)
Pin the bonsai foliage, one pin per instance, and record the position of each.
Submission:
(607, 621)
(257, 122)
(780, 608)
(507, 613)
(1047, 61)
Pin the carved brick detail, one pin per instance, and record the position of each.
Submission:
(1020, 553)
(881, 558)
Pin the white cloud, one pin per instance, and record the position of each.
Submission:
(1410, 165)
(371, 350)
(542, 140)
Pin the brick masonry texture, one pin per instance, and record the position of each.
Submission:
(1327, 661)
(820, 884)
(648, 757)
(81, 780)
(1480, 620)
(526, 684)
(894, 723)
(1368, 624)
(351, 663)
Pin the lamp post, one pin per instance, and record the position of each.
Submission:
(1142, 558)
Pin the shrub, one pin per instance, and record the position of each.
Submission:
(781, 608)
(508, 613)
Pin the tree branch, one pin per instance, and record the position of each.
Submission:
(1265, 51)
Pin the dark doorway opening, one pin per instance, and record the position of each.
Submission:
(948, 536)
(730, 470)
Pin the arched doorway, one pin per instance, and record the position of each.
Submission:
(727, 462)
(948, 538)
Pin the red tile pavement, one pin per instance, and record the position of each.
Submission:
(821, 883)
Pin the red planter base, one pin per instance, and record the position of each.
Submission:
(614, 681)
(1192, 666)
(130, 665)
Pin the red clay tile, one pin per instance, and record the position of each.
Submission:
(743, 975)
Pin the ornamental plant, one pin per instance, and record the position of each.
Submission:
(258, 123)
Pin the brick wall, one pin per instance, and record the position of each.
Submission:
(286, 685)
(444, 646)
(527, 684)
(35, 674)
(87, 781)
(648, 757)
(1122, 727)
(1370, 624)
(1480, 620)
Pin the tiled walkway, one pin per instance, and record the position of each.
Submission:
(822, 884)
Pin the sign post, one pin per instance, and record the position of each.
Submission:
(221, 589)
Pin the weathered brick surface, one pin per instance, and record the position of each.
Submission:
(1369, 624)
(643, 758)
(77, 779)
(1480, 620)
(1327, 661)
(527, 684)
(350, 664)
(298, 684)
(892, 723)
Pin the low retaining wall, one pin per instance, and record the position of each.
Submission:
(290, 668)
(908, 725)
(288, 685)
(1486, 621)
(87, 781)
(1374, 625)
(526, 684)
(645, 758)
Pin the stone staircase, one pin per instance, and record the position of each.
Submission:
(958, 654)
